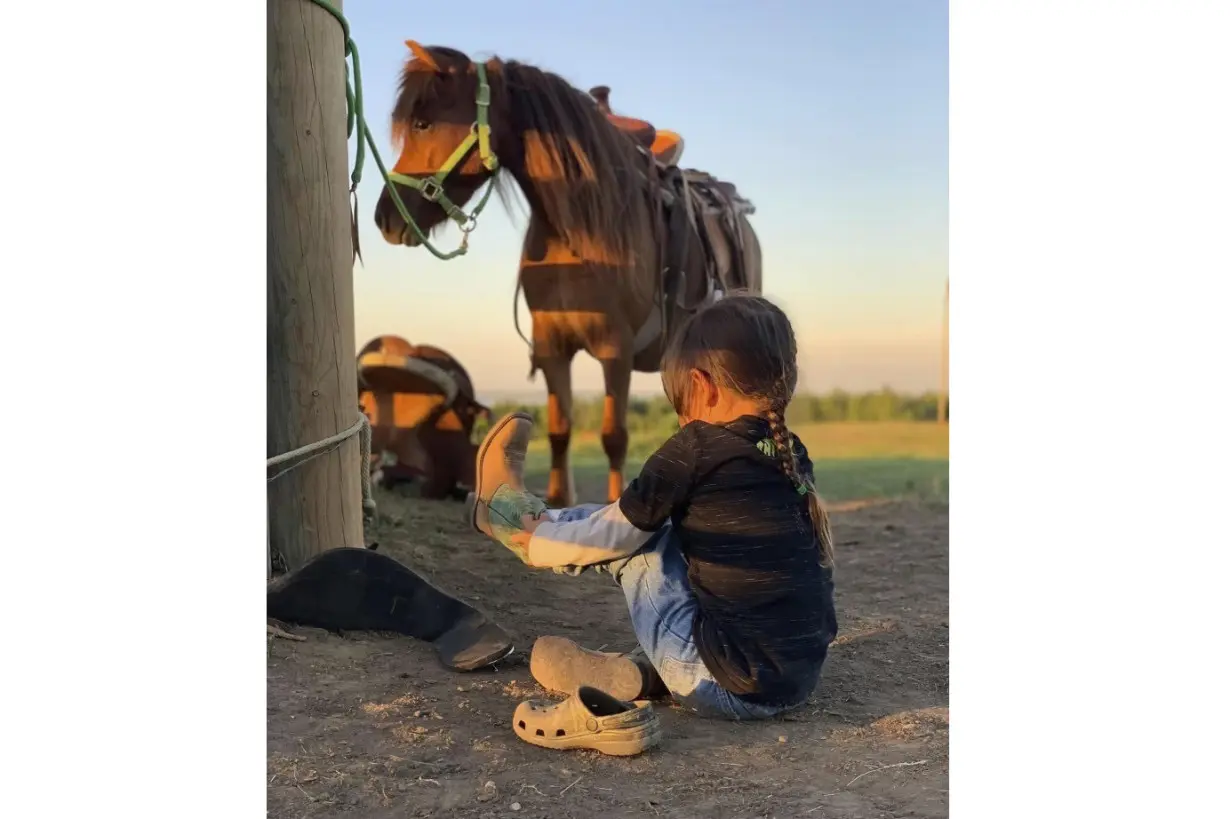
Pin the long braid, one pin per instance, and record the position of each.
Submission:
(783, 443)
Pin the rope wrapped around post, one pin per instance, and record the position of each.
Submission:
(314, 450)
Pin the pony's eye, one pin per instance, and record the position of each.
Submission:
(420, 124)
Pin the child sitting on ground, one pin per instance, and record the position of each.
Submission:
(721, 544)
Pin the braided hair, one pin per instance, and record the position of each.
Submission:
(783, 444)
(745, 344)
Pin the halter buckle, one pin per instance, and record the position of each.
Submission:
(431, 190)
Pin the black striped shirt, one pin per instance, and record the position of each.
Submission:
(766, 604)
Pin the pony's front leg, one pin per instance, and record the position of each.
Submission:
(617, 372)
(558, 374)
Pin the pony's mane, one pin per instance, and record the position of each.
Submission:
(593, 192)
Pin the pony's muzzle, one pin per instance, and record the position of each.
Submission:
(392, 228)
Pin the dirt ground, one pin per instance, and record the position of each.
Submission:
(367, 725)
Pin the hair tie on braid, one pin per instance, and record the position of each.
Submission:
(785, 449)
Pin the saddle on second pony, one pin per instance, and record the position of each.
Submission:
(421, 405)
(709, 205)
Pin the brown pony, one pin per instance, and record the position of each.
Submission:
(619, 247)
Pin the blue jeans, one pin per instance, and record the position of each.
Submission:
(663, 609)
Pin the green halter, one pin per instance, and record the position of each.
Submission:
(431, 188)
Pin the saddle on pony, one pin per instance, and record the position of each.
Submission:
(665, 146)
(713, 208)
(421, 406)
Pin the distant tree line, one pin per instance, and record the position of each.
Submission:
(656, 416)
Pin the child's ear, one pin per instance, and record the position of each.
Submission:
(705, 392)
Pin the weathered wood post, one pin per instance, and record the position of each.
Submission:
(941, 410)
(312, 387)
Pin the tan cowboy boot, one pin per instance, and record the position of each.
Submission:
(500, 498)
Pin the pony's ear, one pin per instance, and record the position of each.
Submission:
(423, 56)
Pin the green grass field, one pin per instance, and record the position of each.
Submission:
(853, 460)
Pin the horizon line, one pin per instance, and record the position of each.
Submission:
(541, 395)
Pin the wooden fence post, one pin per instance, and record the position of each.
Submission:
(312, 390)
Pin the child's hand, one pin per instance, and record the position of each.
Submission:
(522, 539)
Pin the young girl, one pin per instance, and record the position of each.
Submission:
(721, 544)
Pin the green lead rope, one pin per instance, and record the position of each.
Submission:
(432, 187)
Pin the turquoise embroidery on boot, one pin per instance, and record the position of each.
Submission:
(506, 508)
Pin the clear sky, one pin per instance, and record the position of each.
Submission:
(832, 117)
